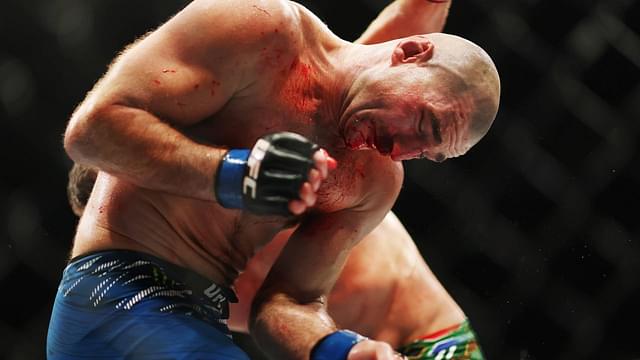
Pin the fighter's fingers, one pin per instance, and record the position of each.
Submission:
(315, 179)
(371, 350)
(297, 207)
(320, 162)
(307, 194)
(399, 356)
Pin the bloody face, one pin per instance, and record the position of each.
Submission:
(405, 117)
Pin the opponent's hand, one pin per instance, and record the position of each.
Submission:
(373, 350)
(279, 176)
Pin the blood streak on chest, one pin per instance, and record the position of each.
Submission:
(297, 91)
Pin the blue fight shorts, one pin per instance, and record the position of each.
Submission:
(125, 304)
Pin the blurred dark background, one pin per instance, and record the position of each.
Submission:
(534, 232)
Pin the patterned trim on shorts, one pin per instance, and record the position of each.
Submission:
(455, 343)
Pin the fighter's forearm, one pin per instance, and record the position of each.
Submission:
(407, 17)
(286, 329)
(289, 314)
(135, 145)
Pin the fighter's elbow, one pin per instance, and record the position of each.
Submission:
(267, 304)
(79, 137)
(75, 140)
(261, 301)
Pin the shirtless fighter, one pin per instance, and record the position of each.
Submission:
(156, 124)
(384, 275)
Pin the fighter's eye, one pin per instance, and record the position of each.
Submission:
(435, 130)
(421, 125)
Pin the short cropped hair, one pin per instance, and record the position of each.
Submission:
(81, 181)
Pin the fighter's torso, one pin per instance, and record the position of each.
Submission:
(201, 235)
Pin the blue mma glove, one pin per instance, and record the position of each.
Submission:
(264, 179)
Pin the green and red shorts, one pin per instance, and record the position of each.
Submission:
(454, 343)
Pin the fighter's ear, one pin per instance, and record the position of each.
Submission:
(413, 49)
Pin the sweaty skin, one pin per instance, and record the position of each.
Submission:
(386, 291)
(385, 273)
(159, 121)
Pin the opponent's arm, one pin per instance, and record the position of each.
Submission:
(407, 17)
(289, 314)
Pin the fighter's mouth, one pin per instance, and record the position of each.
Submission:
(384, 145)
(366, 136)
(380, 142)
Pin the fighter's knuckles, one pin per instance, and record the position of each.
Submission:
(307, 194)
(371, 350)
(315, 179)
(264, 179)
(297, 207)
(320, 159)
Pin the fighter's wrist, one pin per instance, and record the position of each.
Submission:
(336, 346)
(231, 171)
(264, 179)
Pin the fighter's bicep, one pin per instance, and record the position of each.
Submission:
(170, 79)
(190, 67)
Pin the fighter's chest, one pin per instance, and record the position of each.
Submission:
(348, 184)
(284, 99)
(356, 180)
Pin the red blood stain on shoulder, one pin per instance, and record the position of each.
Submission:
(305, 70)
(157, 82)
(298, 88)
(293, 65)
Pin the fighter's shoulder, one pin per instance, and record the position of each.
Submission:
(384, 184)
(247, 16)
